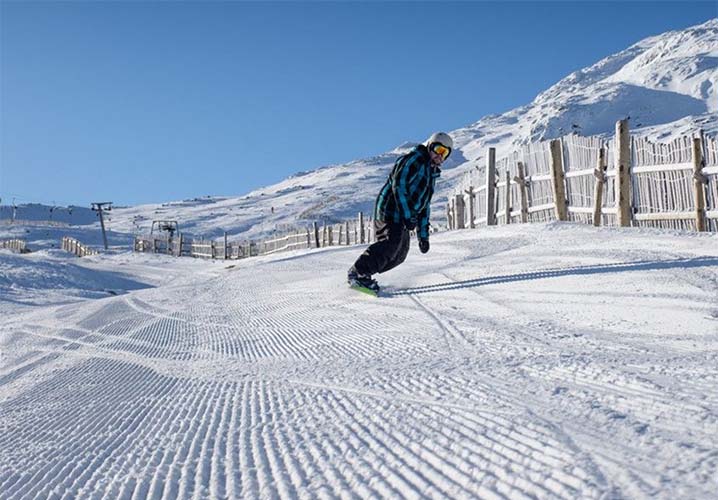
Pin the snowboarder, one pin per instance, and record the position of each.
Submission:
(402, 206)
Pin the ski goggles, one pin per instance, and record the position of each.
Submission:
(440, 150)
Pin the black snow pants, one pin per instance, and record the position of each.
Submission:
(389, 250)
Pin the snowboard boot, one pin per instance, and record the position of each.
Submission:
(357, 280)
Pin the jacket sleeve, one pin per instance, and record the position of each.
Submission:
(423, 225)
(423, 231)
(401, 178)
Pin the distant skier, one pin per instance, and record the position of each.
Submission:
(402, 206)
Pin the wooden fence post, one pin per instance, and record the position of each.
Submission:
(459, 211)
(508, 197)
(316, 235)
(699, 182)
(600, 174)
(472, 212)
(181, 242)
(491, 187)
(452, 212)
(559, 180)
(225, 245)
(448, 216)
(623, 174)
(346, 230)
(361, 227)
(521, 181)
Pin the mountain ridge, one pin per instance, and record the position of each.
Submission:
(665, 84)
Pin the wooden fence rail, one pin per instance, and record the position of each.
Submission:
(15, 245)
(76, 247)
(624, 181)
(348, 232)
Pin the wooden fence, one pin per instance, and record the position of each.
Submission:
(15, 245)
(345, 233)
(624, 181)
(75, 247)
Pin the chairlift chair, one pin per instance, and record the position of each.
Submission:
(167, 226)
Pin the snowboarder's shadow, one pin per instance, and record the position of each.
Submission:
(555, 273)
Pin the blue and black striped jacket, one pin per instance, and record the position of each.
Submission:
(407, 193)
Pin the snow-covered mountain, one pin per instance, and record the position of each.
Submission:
(657, 81)
(666, 85)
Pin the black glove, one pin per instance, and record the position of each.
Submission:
(424, 245)
(410, 224)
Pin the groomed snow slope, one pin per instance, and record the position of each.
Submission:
(548, 361)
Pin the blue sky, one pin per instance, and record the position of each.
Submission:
(140, 102)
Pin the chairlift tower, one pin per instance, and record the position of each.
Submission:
(97, 207)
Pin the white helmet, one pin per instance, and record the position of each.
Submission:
(442, 138)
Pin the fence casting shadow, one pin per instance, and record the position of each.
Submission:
(556, 273)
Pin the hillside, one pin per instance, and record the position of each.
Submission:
(656, 81)
(665, 84)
